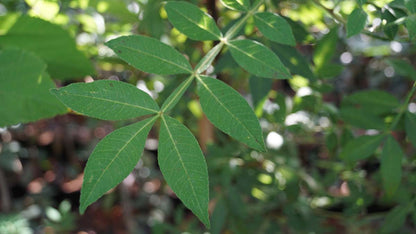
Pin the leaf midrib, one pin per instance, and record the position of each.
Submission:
(182, 164)
(157, 57)
(113, 101)
(231, 113)
(117, 155)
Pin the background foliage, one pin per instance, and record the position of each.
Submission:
(340, 133)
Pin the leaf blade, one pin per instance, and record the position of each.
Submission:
(237, 5)
(195, 24)
(391, 166)
(107, 99)
(356, 22)
(258, 59)
(274, 27)
(410, 125)
(150, 55)
(113, 159)
(24, 89)
(229, 112)
(183, 166)
(361, 147)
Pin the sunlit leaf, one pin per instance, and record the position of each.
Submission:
(24, 89)
(238, 5)
(325, 50)
(107, 99)
(113, 159)
(391, 166)
(356, 22)
(192, 21)
(361, 147)
(150, 55)
(52, 44)
(183, 166)
(274, 27)
(229, 112)
(258, 59)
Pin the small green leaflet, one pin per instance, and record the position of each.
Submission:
(395, 218)
(107, 99)
(150, 55)
(192, 21)
(24, 89)
(183, 166)
(230, 112)
(360, 148)
(411, 26)
(410, 127)
(274, 27)
(391, 166)
(402, 67)
(113, 159)
(52, 44)
(237, 5)
(258, 59)
(356, 22)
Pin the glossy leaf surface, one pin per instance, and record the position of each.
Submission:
(192, 21)
(52, 44)
(150, 55)
(183, 166)
(230, 112)
(391, 166)
(274, 27)
(24, 89)
(107, 99)
(113, 159)
(258, 59)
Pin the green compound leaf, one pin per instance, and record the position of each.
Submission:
(52, 44)
(356, 22)
(410, 127)
(237, 5)
(107, 99)
(391, 166)
(275, 28)
(183, 166)
(113, 159)
(24, 89)
(192, 21)
(150, 55)
(258, 59)
(230, 112)
(361, 147)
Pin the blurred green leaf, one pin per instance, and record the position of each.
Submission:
(391, 30)
(52, 44)
(274, 27)
(410, 127)
(113, 159)
(229, 112)
(238, 5)
(258, 59)
(371, 101)
(183, 166)
(192, 21)
(361, 147)
(107, 99)
(410, 5)
(356, 22)
(411, 27)
(325, 50)
(402, 67)
(259, 88)
(395, 218)
(361, 118)
(391, 166)
(150, 55)
(24, 89)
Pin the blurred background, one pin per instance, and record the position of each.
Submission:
(298, 186)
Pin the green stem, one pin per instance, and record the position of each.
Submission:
(403, 107)
(236, 27)
(207, 60)
(174, 97)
